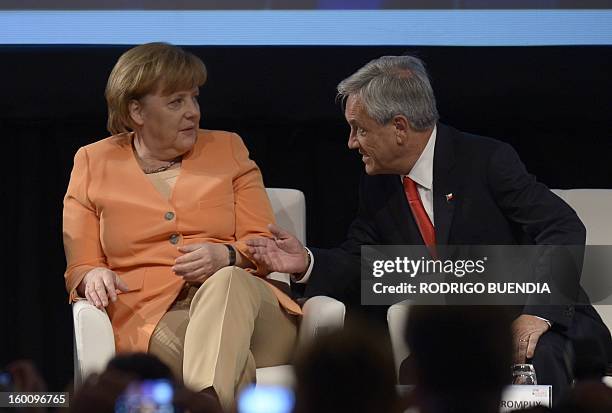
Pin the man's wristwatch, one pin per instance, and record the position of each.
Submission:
(232, 255)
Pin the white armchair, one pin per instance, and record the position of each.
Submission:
(594, 208)
(94, 343)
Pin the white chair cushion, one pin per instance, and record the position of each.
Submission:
(276, 376)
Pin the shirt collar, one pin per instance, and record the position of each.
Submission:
(422, 171)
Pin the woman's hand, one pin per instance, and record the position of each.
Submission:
(101, 284)
(200, 261)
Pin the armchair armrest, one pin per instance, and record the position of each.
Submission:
(321, 315)
(94, 342)
(397, 316)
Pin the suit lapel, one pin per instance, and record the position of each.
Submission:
(444, 184)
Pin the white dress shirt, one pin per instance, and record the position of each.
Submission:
(422, 174)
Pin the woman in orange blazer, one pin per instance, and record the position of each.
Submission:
(155, 222)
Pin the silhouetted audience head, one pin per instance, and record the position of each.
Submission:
(141, 366)
(99, 393)
(587, 397)
(21, 376)
(461, 357)
(347, 371)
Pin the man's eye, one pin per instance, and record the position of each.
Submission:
(361, 131)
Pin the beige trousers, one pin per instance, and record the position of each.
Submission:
(217, 334)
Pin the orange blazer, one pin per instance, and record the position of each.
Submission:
(115, 218)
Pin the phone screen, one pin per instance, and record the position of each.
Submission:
(6, 381)
(149, 396)
(266, 399)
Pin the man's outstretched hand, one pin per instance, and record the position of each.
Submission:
(283, 253)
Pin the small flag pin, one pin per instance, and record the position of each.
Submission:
(449, 197)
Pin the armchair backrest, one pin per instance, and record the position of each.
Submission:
(289, 206)
(594, 208)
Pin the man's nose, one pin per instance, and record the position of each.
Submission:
(352, 142)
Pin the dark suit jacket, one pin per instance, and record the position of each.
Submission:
(496, 202)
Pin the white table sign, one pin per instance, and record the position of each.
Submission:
(517, 397)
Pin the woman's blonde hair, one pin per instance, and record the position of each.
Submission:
(149, 68)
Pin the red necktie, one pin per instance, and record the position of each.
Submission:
(418, 212)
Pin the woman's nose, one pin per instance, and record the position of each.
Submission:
(193, 109)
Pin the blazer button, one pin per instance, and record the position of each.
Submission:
(174, 239)
(169, 216)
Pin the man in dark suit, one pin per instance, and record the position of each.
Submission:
(427, 183)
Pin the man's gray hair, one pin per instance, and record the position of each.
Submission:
(391, 86)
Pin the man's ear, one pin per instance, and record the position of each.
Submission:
(402, 128)
(135, 111)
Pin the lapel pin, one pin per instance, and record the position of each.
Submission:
(449, 197)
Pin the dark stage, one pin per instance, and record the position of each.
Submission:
(553, 104)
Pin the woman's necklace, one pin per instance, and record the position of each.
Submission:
(162, 168)
(149, 171)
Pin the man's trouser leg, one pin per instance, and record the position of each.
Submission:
(551, 363)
